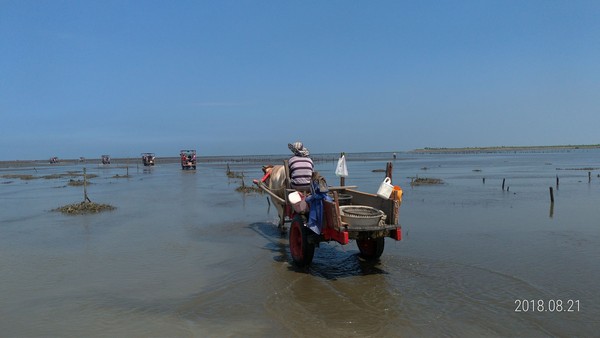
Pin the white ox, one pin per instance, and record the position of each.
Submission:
(276, 182)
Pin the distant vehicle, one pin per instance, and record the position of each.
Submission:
(105, 159)
(82, 159)
(188, 159)
(53, 160)
(148, 159)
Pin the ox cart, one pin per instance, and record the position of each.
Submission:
(148, 159)
(188, 159)
(356, 220)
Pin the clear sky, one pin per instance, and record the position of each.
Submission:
(85, 78)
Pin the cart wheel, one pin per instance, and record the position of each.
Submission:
(302, 251)
(371, 248)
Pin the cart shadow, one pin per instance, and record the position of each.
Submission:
(329, 261)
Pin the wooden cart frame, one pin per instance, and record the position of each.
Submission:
(370, 239)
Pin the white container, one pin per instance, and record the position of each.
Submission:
(294, 197)
(386, 188)
(298, 202)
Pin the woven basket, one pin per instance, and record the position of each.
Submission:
(361, 215)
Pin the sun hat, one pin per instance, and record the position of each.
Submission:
(298, 149)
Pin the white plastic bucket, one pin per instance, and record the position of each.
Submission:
(298, 202)
(294, 197)
(386, 188)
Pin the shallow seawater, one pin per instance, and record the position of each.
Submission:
(185, 255)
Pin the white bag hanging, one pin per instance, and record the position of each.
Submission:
(341, 169)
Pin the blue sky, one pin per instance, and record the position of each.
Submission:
(85, 78)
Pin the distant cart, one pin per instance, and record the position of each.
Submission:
(148, 159)
(188, 159)
(366, 218)
(105, 159)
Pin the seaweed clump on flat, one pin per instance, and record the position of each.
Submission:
(248, 189)
(121, 176)
(426, 181)
(25, 177)
(77, 183)
(84, 208)
(243, 188)
(69, 174)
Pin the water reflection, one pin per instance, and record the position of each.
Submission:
(330, 262)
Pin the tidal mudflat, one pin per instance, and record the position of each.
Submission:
(185, 254)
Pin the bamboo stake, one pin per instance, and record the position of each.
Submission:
(551, 195)
(85, 195)
(342, 178)
(388, 170)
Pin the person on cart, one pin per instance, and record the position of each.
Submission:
(301, 167)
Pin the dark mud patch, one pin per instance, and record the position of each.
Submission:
(246, 189)
(27, 177)
(78, 183)
(84, 208)
(69, 174)
(24, 177)
(586, 168)
(233, 174)
(121, 176)
(426, 181)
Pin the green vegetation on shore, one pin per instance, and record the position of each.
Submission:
(498, 149)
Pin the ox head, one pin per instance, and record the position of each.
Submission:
(267, 168)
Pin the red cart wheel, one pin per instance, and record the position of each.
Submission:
(302, 251)
(371, 248)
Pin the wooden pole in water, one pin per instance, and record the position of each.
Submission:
(342, 179)
(503, 180)
(551, 195)
(85, 195)
(484, 180)
(556, 182)
(589, 176)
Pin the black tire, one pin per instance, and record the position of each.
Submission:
(371, 249)
(301, 249)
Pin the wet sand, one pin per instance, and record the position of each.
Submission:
(185, 255)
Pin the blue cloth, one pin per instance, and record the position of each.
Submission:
(315, 202)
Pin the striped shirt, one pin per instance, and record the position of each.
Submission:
(301, 169)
